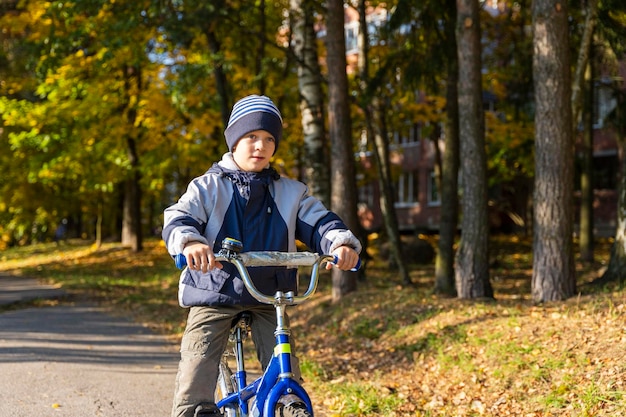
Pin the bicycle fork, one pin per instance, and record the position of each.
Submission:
(278, 384)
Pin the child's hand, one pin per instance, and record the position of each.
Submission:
(200, 257)
(347, 258)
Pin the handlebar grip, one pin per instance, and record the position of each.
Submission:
(180, 261)
(356, 268)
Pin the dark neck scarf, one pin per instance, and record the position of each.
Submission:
(243, 179)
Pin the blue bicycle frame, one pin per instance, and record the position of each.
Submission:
(277, 381)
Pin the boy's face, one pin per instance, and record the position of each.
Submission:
(253, 151)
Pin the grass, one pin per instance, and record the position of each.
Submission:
(393, 350)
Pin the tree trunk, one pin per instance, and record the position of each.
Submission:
(582, 63)
(553, 262)
(373, 110)
(343, 181)
(585, 60)
(131, 221)
(616, 270)
(586, 179)
(472, 258)
(220, 77)
(100, 213)
(316, 155)
(383, 164)
(260, 52)
(444, 262)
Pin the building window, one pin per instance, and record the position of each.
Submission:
(352, 37)
(407, 189)
(434, 198)
(604, 102)
(605, 172)
(410, 134)
(366, 194)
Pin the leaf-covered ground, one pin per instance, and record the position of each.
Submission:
(392, 350)
(398, 351)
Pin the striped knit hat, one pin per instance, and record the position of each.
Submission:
(253, 113)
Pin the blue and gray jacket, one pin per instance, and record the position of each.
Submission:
(262, 210)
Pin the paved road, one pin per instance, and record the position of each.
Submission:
(79, 360)
(18, 289)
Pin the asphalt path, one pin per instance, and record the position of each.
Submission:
(78, 360)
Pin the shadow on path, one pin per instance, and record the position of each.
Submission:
(78, 334)
(78, 360)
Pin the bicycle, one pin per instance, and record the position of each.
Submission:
(276, 393)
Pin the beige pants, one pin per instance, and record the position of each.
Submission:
(203, 343)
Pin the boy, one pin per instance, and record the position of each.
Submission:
(241, 197)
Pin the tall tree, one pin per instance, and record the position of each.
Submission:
(316, 155)
(131, 221)
(343, 181)
(616, 269)
(553, 262)
(140, 99)
(448, 185)
(426, 70)
(584, 53)
(84, 88)
(424, 29)
(373, 111)
(601, 46)
(507, 86)
(584, 65)
(586, 223)
(472, 258)
(612, 25)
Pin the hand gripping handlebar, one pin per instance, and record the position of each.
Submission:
(229, 253)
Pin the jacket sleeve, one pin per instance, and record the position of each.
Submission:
(185, 221)
(321, 229)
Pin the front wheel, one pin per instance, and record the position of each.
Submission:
(293, 410)
(226, 386)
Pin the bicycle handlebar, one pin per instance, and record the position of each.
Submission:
(262, 258)
(270, 258)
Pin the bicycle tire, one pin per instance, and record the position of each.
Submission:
(292, 410)
(225, 386)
